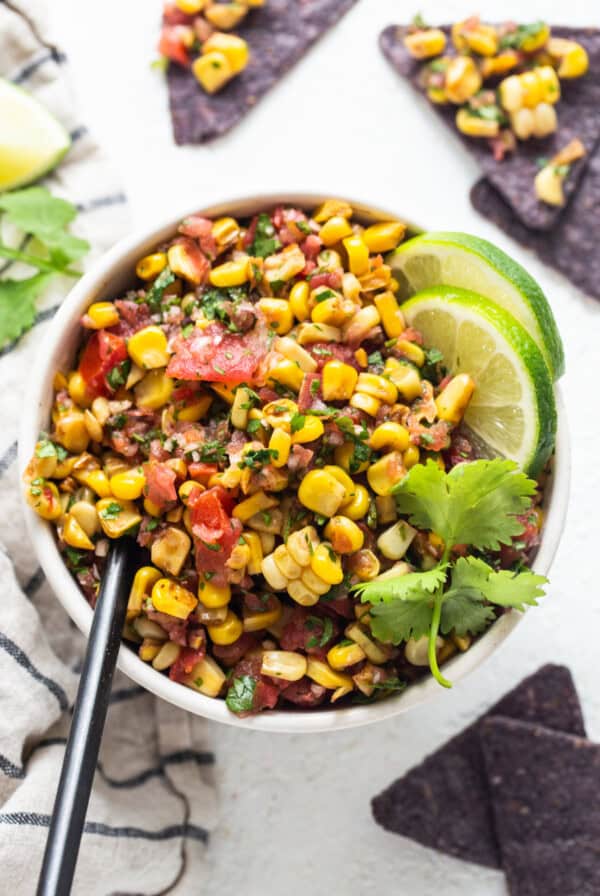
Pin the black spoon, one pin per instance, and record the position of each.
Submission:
(89, 715)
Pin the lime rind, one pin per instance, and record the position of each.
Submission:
(32, 141)
(503, 280)
(505, 408)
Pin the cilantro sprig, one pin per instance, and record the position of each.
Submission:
(474, 505)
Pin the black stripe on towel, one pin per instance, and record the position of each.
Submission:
(77, 133)
(34, 582)
(197, 756)
(10, 769)
(91, 205)
(8, 458)
(23, 660)
(35, 819)
(122, 694)
(28, 70)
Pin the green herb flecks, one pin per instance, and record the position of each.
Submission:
(240, 696)
(265, 242)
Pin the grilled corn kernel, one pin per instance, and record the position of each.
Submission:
(493, 66)
(224, 391)
(326, 564)
(173, 599)
(302, 594)
(286, 564)
(463, 79)
(344, 455)
(475, 126)
(549, 186)
(255, 621)
(536, 39)
(385, 473)
(394, 542)
(327, 677)
(290, 349)
(231, 273)
(225, 16)
(301, 544)
(71, 431)
(376, 653)
(366, 403)
(150, 266)
(280, 442)
(365, 565)
(278, 314)
(416, 652)
(385, 236)
(309, 333)
(545, 120)
(207, 677)
(97, 480)
(335, 230)
(154, 391)
(452, 401)
(93, 427)
(424, 44)
(145, 578)
(214, 596)
(321, 492)
(510, 93)
(571, 57)
(404, 377)
(343, 655)
(342, 477)
(411, 456)
(311, 429)
(225, 232)
(284, 265)
(170, 550)
(86, 515)
(195, 410)
(117, 517)
(254, 504)
(386, 509)
(240, 407)
(74, 535)
(166, 656)
(358, 255)
(149, 649)
(278, 414)
(148, 348)
(413, 352)
(334, 311)
(226, 632)
(357, 508)
(212, 70)
(234, 48)
(77, 390)
(128, 485)
(267, 522)
(298, 302)
(391, 316)
(102, 314)
(345, 536)
(377, 386)
(283, 664)
(389, 436)
(338, 381)
(332, 207)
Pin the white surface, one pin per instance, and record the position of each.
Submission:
(296, 810)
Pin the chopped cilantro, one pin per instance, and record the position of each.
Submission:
(210, 545)
(213, 452)
(154, 296)
(219, 303)
(253, 426)
(375, 359)
(297, 422)
(303, 227)
(152, 524)
(325, 294)
(240, 695)
(118, 375)
(118, 421)
(111, 511)
(315, 386)
(265, 242)
(515, 39)
(187, 330)
(256, 458)
(47, 448)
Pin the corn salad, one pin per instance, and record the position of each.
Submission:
(245, 411)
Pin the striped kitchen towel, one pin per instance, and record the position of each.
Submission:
(153, 802)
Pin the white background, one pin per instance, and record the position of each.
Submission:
(295, 811)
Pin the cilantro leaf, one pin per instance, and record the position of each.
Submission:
(297, 422)
(240, 695)
(17, 305)
(502, 587)
(155, 294)
(402, 605)
(475, 504)
(464, 612)
(265, 242)
(35, 211)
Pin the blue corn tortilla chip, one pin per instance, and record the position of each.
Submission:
(444, 803)
(544, 787)
(572, 246)
(278, 35)
(578, 116)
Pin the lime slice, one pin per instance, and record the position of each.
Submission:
(31, 140)
(512, 413)
(458, 259)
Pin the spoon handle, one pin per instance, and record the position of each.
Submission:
(91, 705)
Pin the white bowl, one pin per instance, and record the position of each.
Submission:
(109, 277)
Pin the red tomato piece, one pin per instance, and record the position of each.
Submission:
(202, 472)
(172, 46)
(103, 352)
(217, 356)
(160, 484)
(215, 533)
(185, 662)
(200, 229)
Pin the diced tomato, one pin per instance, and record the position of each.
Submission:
(310, 391)
(172, 46)
(230, 654)
(215, 533)
(185, 662)
(217, 356)
(172, 15)
(311, 246)
(304, 631)
(103, 352)
(200, 229)
(160, 484)
(331, 279)
(323, 352)
(202, 472)
(304, 693)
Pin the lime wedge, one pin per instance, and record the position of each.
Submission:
(459, 259)
(32, 142)
(512, 413)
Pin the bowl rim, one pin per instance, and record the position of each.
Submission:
(118, 261)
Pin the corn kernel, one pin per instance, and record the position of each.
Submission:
(278, 314)
(376, 653)
(394, 542)
(170, 550)
(392, 318)
(357, 508)
(475, 126)
(311, 429)
(287, 373)
(298, 301)
(345, 455)
(255, 622)
(273, 575)
(404, 377)
(385, 236)
(389, 436)
(225, 16)
(254, 504)
(361, 357)
(358, 255)
(59, 381)
(206, 677)
(572, 58)
(301, 544)
(321, 492)
(425, 43)
(511, 93)
(253, 541)
(173, 599)
(150, 266)
(234, 48)
(117, 517)
(190, 7)
(333, 311)
(71, 431)
(463, 79)
(325, 564)
(334, 230)
(385, 473)
(332, 207)
(144, 579)
(536, 39)
(86, 515)
(343, 655)
(365, 565)
(411, 456)
(148, 348)
(225, 232)
(359, 327)
(545, 120)
(154, 391)
(290, 349)
(345, 536)
(452, 401)
(97, 480)
(366, 403)
(283, 664)
(128, 485)
(280, 442)
(324, 675)
(214, 596)
(231, 273)
(149, 649)
(286, 564)
(77, 390)
(212, 70)
(74, 535)
(378, 387)
(302, 594)
(346, 481)
(101, 314)
(224, 391)
(338, 381)
(227, 632)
